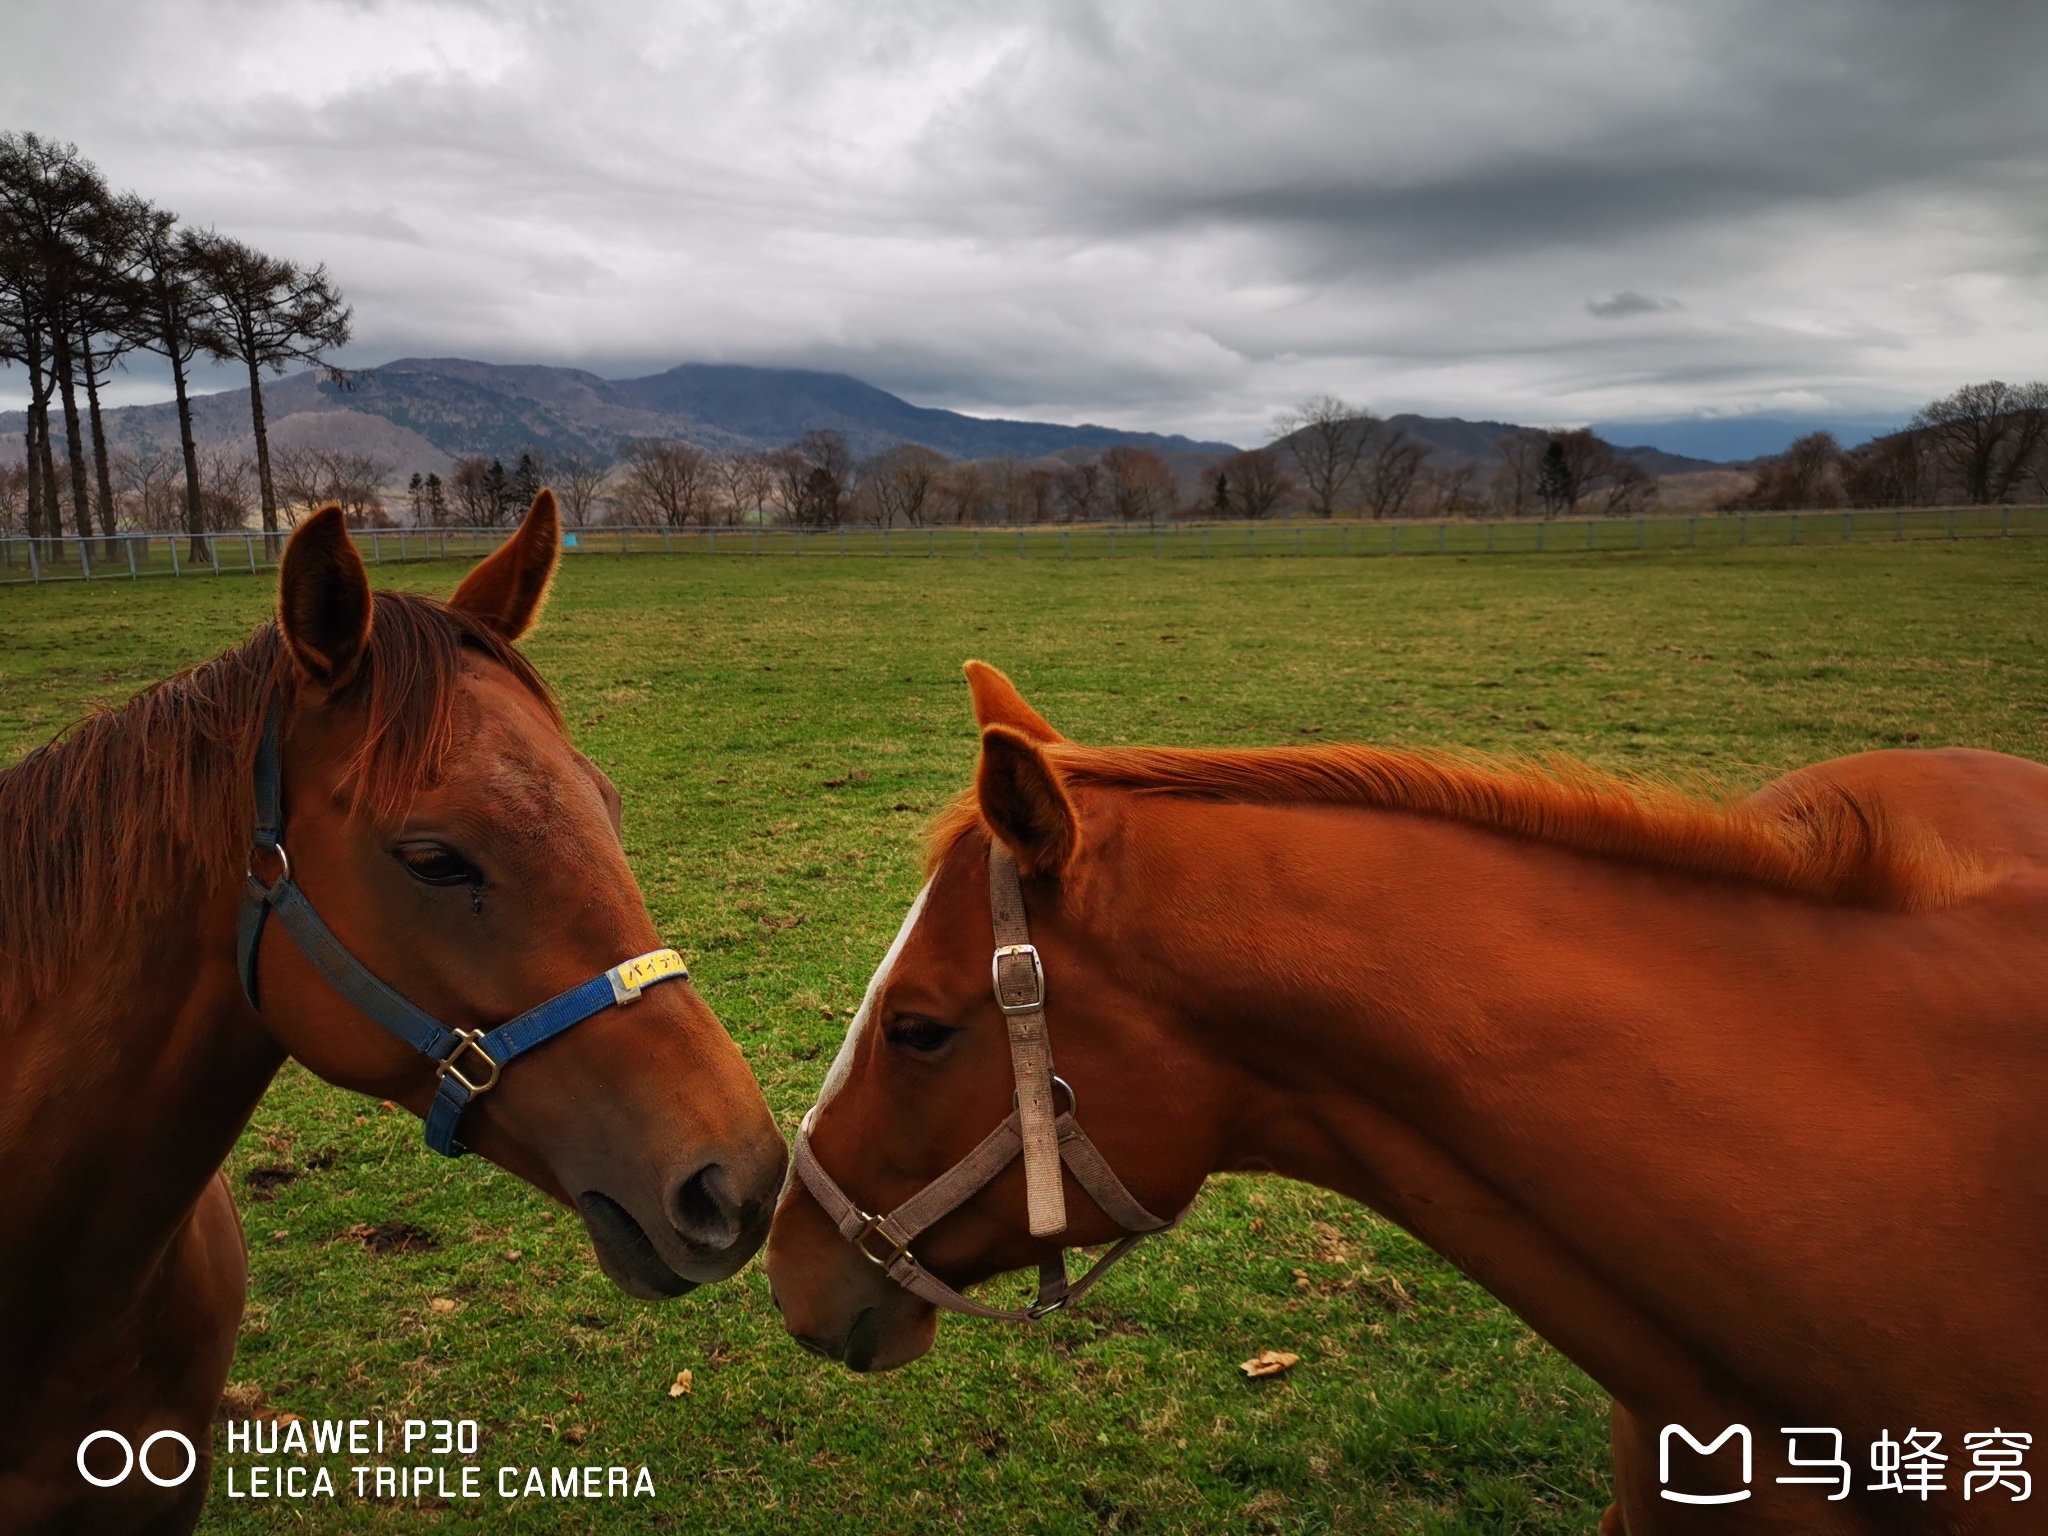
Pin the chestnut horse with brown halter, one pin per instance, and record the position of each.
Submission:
(386, 781)
(1739, 1105)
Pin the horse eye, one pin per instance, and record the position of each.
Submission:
(921, 1035)
(432, 864)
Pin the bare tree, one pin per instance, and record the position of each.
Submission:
(1451, 490)
(1082, 491)
(579, 480)
(900, 482)
(666, 482)
(1514, 482)
(148, 489)
(1988, 434)
(747, 483)
(1803, 476)
(1894, 471)
(1328, 439)
(1574, 464)
(1141, 487)
(1631, 490)
(1389, 469)
(1251, 484)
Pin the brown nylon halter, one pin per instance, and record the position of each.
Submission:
(1032, 1131)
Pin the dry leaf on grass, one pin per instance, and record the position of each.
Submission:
(1269, 1362)
(680, 1387)
(441, 1304)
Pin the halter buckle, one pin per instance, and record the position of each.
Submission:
(859, 1241)
(467, 1041)
(1018, 952)
(284, 864)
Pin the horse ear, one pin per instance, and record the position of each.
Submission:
(323, 601)
(1025, 803)
(505, 592)
(997, 702)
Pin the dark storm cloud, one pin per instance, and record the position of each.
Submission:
(1182, 215)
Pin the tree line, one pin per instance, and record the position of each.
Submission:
(90, 276)
(1985, 444)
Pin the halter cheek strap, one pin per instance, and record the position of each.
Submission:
(467, 1061)
(1031, 1131)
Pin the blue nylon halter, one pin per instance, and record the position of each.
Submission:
(415, 1026)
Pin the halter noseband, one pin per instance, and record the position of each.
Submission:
(1031, 1131)
(488, 1050)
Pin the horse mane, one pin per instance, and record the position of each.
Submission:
(1813, 839)
(138, 809)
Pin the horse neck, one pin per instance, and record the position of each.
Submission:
(1483, 1038)
(126, 1090)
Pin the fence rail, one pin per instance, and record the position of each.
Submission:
(132, 556)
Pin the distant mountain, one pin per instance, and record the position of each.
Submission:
(1453, 441)
(424, 413)
(1741, 439)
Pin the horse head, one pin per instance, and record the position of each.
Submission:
(469, 860)
(927, 1072)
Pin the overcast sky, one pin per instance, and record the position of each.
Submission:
(1179, 215)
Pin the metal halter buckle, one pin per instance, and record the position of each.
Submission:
(873, 1224)
(467, 1041)
(1020, 952)
(284, 863)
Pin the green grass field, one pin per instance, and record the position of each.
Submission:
(780, 730)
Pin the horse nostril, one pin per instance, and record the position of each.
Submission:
(701, 1207)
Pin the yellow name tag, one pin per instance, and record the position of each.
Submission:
(660, 965)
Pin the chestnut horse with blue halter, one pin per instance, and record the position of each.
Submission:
(361, 840)
(1740, 1105)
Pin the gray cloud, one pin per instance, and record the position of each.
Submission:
(1626, 303)
(1177, 215)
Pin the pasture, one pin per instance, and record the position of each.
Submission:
(780, 730)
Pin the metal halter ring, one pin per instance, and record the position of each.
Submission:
(467, 1041)
(284, 861)
(1073, 1098)
(871, 1224)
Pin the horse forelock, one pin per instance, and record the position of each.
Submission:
(1821, 841)
(138, 807)
(842, 1064)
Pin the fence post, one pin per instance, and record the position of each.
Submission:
(977, 543)
(1206, 531)
(1442, 533)
(376, 549)
(1489, 538)
(130, 542)
(625, 547)
(1393, 538)
(1066, 543)
(1589, 533)
(931, 542)
(1344, 543)
(250, 540)
(172, 544)
(1795, 527)
(85, 558)
(35, 563)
